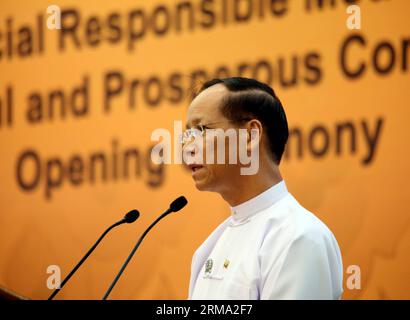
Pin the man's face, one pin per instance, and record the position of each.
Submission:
(204, 110)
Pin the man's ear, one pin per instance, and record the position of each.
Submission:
(255, 131)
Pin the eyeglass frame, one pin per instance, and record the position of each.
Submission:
(203, 127)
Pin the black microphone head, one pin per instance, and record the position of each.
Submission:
(178, 204)
(131, 216)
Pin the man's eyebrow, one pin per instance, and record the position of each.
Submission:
(194, 122)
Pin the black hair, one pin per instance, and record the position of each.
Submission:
(249, 98)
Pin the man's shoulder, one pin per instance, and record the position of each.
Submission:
(294, 222)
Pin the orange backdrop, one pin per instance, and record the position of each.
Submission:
(77, 111)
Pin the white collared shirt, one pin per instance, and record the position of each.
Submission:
(269, 248)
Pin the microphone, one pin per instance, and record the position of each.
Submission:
(175, 206)
(130, 217)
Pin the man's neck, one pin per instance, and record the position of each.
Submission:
(248, 187)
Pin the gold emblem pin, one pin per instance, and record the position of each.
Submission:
(226, 263)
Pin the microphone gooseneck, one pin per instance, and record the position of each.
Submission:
(175, 206)
(130, 217)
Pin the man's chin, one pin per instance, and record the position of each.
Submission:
(202, 185)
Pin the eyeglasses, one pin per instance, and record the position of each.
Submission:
(199, 130)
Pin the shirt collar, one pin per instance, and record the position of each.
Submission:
(262, 201)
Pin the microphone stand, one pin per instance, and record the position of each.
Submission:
(133, 252)
(129, 218)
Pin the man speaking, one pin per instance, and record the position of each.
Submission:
(270, 247)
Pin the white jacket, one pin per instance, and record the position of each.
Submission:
(269, 248)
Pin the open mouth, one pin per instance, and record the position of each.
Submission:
(195, 167)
